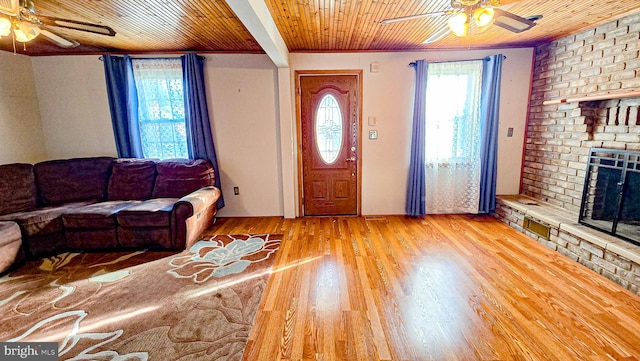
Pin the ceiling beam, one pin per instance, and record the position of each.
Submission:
(256, 17)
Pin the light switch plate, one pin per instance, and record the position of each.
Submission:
(372, 121)
(373, 134)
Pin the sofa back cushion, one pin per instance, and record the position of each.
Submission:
(131, 179)
(18, 190)
(178, 177)
(71, 180)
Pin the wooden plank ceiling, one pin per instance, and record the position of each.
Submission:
(158, 26)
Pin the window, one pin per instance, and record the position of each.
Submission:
(452, 131)
(328, 132)
(453, 111)
(161, 114)
(445, 177)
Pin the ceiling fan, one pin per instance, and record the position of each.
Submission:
(483, 12)
(21, 21)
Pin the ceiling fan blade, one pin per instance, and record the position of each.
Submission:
(10, 7)
(441, 33)
(419, 16)
(512, 22)
(77, 25)
(58, 40)
(507, 2)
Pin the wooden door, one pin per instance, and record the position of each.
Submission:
(330, 127)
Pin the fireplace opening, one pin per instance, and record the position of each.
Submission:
(611, 196)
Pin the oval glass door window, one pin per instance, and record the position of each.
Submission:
(328, 129)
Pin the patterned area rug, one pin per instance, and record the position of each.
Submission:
(195, 305)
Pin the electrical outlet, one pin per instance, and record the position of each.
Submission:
(236, 190)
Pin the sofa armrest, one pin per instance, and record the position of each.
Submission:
(193, 214)
(196, 201)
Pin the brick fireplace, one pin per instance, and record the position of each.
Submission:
(559, 136)
(611, 196)
(604, 60)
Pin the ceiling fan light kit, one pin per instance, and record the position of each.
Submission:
(483, 16)
(459, 24)
(25, 31)
(5, 27)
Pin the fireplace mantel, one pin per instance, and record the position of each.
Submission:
(594, 97)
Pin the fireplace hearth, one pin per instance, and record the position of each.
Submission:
(611, 196)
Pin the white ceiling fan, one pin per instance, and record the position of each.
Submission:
(19, 19)
(483, 12)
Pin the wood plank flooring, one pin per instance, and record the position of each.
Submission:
(452, 287)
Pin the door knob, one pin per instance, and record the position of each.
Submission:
(351, 159)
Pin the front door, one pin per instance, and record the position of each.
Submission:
(330, 134)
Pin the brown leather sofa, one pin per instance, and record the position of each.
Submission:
(103, 203)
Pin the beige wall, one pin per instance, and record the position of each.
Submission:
(251, 141)
(21, 138)
(74, 107)
(388, 96)
(242, 105)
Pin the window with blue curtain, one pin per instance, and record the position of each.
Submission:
(454, 137)
(161, 111)
(452, 131)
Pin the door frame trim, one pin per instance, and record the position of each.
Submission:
(298, 74)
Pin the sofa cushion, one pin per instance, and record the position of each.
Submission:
(10, 245)
(9, 233)
(131, 179)
(95, 216)
(91, 239)
(18, 190)
(42, 221)
(70, 180)
(149, 237)
(151, 213)
(178, 177)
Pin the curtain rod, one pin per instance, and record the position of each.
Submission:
(101, 57)
(413, 63)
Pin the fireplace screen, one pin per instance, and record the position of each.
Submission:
(611, 197)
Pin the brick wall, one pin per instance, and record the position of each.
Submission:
(600, 60)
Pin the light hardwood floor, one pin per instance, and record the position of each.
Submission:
(439, 288)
